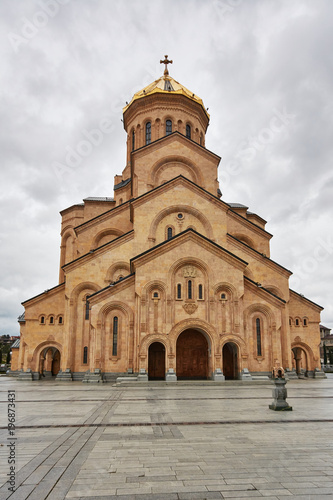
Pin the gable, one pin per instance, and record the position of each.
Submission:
(171, 156)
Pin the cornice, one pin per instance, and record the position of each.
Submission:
(263, 292)
(259, 256)
(180, 179)
(120, 240)
(187, 235)
(111, 289)
(142, 151)
(249, 224)
(152, 101)
(301, 298)
(99, 218)
(45, 294)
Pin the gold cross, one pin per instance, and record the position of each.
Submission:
(166, 62)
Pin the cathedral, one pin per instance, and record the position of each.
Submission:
(165, 280)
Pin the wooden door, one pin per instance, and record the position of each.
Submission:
(156, 361)
(192, 355)
(229, 361)
(56, 363)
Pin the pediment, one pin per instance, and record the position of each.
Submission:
(188, 246)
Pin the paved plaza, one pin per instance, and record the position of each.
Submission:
(166, 442)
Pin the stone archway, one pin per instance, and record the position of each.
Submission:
(156, 361)
(50, 359)
(192, 355)
(230, 361)
(300, 362)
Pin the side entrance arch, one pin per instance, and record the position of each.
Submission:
(192, 355)
(300, 362)
(230, 361)
(49, 362)
(156, 361)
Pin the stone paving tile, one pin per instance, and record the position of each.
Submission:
(318, 496)
(274, 492)
(257, 454)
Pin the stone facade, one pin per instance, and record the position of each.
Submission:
(166, 280)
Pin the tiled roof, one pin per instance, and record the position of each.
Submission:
(98, 198)
(16, 343)
(21, 318)
(237, 205)
(121, 184)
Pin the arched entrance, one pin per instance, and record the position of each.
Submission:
(299, 361)
(49, 362)
(192, 355)
(156, 361)
(229, 355)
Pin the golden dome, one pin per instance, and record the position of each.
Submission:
(166, 85)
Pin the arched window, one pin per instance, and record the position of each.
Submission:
(115, 336)
(258, 331)
(188, 131)
(148, 133)
(168, 127)
(200, 292)
(42, 320)
(179, 291)
(305, 323)
(189, 289)
(51, 320)
(85, 355)
(289, 321)
(223, 296)
(60, 320)
(133, 140)
(169, 233)
(297, 322)
(155, 295)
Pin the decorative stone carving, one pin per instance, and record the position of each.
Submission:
(189, 272)
(297, 339)
(190, 307)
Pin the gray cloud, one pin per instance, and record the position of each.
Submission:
(247, 60)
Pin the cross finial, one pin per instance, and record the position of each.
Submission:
(166, 62)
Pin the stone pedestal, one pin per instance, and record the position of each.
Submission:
(218, 375)
(280, 395)
(94, 377)
(319, 373)
(143, 376)
(171, 376)
(65, 376)
(26, 375)
(245, 374)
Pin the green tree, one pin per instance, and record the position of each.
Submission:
(331, 356)
(0, 356)
(8, 358)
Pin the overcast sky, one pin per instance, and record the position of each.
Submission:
(263, 67)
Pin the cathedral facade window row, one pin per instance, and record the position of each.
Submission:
(138, 141)
(298, 321)
(191, 292)
(50, 319)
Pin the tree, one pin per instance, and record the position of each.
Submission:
(8, 358)
(325, 354)
(331, 356)
(0, 356)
